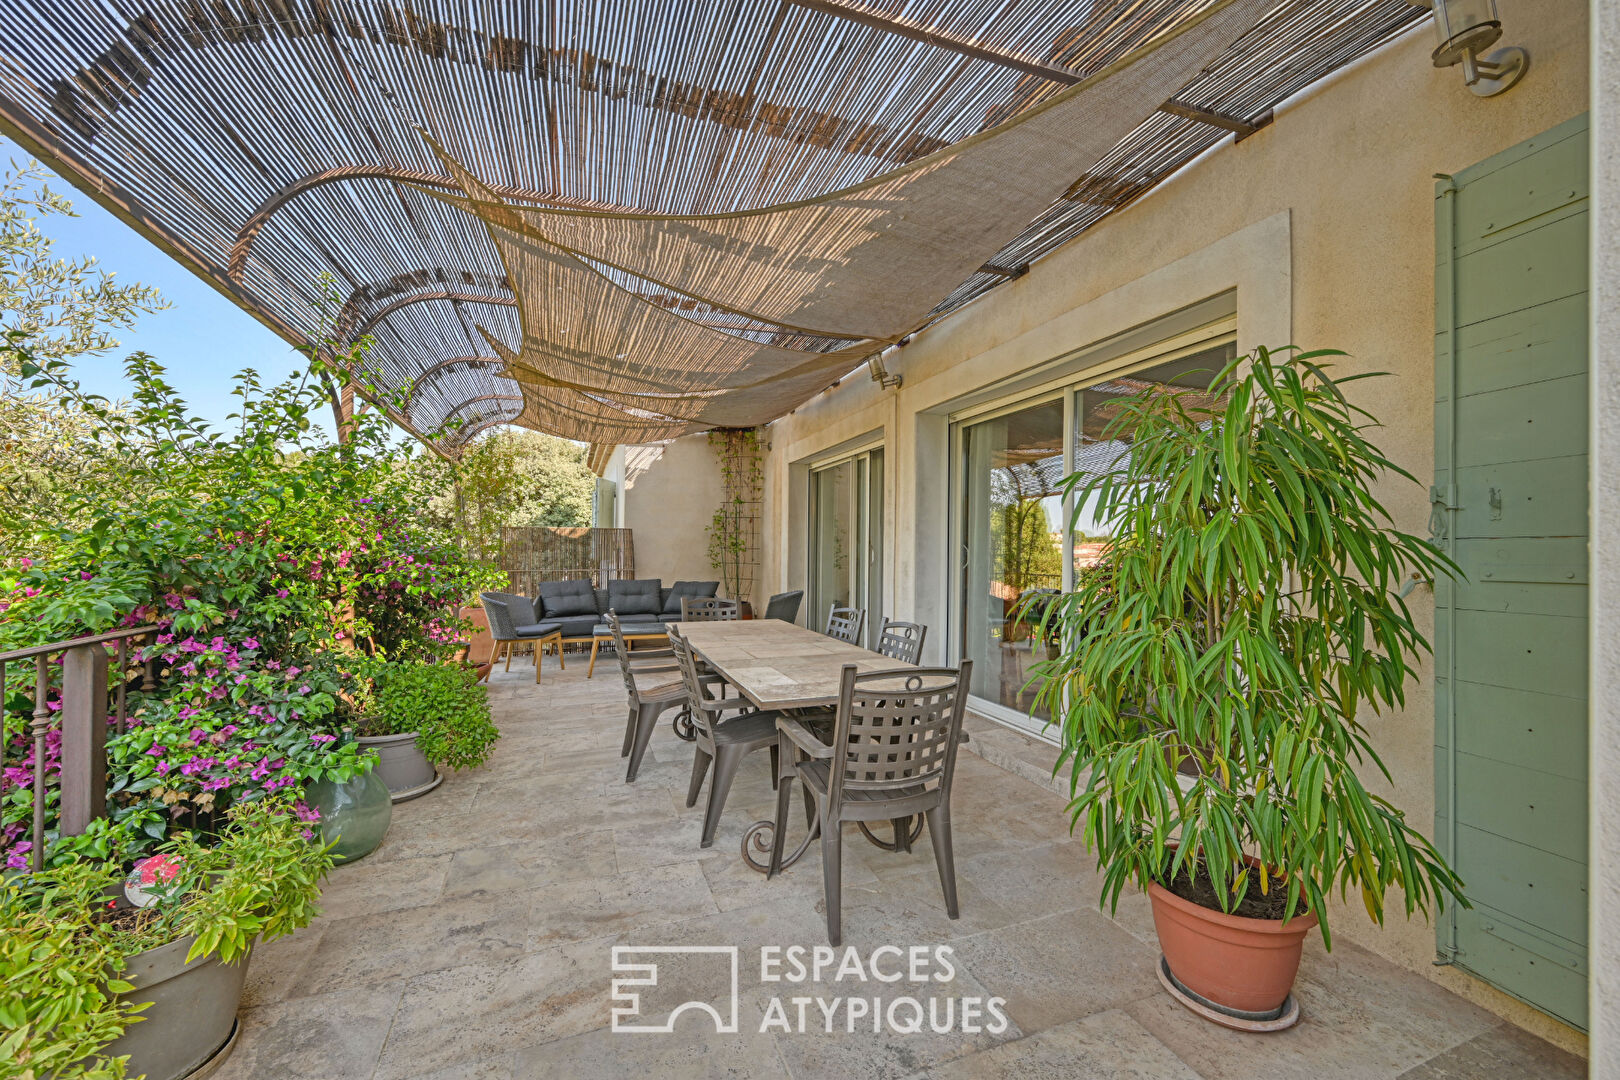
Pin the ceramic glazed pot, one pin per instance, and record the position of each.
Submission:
(1247, 965)
(402, 766)
(354, 813)
(190, 1028)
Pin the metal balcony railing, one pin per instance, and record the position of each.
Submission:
(88, 692)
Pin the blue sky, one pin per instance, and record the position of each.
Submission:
(203, 339)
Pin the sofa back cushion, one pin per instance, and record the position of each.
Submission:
(638, 597)
(697, 590)
(564, 598)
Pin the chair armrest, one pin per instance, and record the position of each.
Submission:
(803, 737)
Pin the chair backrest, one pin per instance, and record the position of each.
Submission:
(784, 606)
(501, 626)
(897, 730)
(902, 641)
(844, 623)
(702, 717)
(709, 609)
(623, 654)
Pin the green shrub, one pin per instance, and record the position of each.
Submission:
(442, 703)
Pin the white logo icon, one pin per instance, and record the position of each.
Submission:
(627, 1001)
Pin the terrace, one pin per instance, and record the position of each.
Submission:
(980, 327)
(477, 941)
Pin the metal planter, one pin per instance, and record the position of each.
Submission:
(190, 1028)
(402, 766)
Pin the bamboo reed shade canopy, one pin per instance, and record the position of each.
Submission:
(644, 218)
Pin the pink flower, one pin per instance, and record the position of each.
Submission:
(85, 575)
(321, 739)
(281, 594)
(174, 601)
(250, 643)
(27, 562)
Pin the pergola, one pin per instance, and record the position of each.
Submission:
(266, 143)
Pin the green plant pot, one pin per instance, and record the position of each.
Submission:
(354, 813)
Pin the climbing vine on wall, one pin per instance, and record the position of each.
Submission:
(734, 529)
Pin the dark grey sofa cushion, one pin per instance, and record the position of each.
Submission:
(697, 590)
(539, 629)
(562, 599)
(578, 626)
(638, 597)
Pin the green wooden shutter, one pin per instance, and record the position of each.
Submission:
(1510, 501)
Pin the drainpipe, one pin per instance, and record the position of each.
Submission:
(1444, 515)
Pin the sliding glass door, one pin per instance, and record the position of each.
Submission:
(1018, 540)
(1012, 538)
(846, 540)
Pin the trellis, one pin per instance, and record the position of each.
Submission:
(264, 142)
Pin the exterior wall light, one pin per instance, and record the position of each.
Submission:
(1463, 29)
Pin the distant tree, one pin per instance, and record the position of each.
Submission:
(58, 309)
(513, 478)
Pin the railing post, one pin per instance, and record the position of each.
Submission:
(84, 738)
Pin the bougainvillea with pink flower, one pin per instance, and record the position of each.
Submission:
(263, 553)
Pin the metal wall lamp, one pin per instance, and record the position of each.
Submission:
(1464, 28)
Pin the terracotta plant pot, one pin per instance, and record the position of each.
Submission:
(1241, 964)
(479, 644)
(402, 765)
(190, 1028)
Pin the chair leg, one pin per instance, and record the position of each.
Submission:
(700, 765)
(629, 733)
(646, 722)
(592, 669)
(902, 834)
(727, 758)
(832, 882)
(784, 795)
(939, 831)
(776, 757)
(508, 656)
(539, 651)
(809, 807)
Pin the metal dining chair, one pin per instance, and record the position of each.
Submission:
(709, 609)
(844, 623)
(652, 680)
(720, 741)
(902, 641)
(893, 754)
(784, 606)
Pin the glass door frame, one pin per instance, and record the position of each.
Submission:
(870, 600)
(1067, 389)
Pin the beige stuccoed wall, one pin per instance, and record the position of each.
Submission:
(1323, 223)
(670, 493)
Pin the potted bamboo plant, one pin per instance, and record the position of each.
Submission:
(1216, 669)
(104, 975)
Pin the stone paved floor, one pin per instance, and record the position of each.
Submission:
(475, 943)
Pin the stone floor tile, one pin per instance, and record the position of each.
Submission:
(277, 965)
(591, 907)
(693, 1052)
(320, 1037)
(365, 950)
(362, 889)
(1505, 1051)
(1359, 1017)
(1061, 967)
(1106, 1046)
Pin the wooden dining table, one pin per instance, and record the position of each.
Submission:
(781, 667)
(777, 665)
